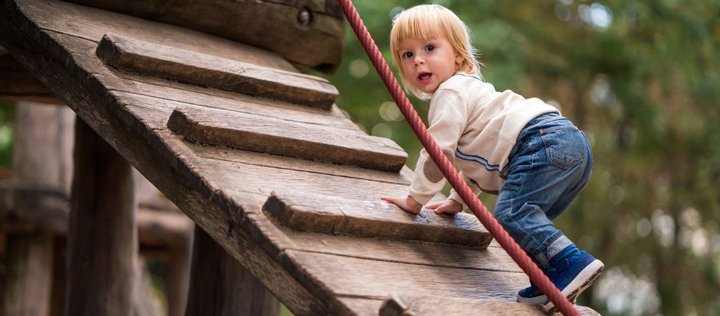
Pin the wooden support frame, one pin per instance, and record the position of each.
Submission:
(221, 286)
(102, 237)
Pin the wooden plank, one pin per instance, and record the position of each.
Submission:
(419, 305)
(430, 254)
(151, 59)
(91, 24)
(330, 215)
(284, 162)
(162, 158)
(361, 306)
(16, 83)
(166, 98)
(237, 130)
(240, 178)
(274, 25)
(336, 276)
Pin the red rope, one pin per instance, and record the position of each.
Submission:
(496, 230)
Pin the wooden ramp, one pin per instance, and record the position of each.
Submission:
(258, 156)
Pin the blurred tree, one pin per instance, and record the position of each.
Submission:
(642, 79)
(7, 111)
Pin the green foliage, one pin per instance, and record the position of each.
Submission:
(7, 117)
(642, 79)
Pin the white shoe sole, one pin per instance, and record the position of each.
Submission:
(585, 278)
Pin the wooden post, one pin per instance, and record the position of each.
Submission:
(177, 280)
(219, 285)
(38, 162)
(102, 238)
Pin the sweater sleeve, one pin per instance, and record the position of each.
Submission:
(456, 197)
(447, 119)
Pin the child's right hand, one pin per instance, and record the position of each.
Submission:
(448, 206)
(407, 203)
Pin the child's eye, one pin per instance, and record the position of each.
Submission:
(407, 55)
(430, 47)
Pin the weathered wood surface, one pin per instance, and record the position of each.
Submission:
(102, 236)
(151, 59)
(311, 273)
(91, 24)
(16, 83)
(244, 131)
(274, 25)
(149, 151)
(221, 286)
(310, 212)
(419, 305)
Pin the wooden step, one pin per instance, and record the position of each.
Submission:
(152, 59)
(332, 215)
(280, 26)
(419, 305)
(286, 137)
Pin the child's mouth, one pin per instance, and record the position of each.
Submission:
(424, 76)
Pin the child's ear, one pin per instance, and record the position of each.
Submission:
(458, 60)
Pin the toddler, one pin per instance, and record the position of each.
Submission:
(521, 149)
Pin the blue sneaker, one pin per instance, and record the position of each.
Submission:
(573, 276)
(531, 295)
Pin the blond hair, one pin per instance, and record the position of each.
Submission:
(431, 21)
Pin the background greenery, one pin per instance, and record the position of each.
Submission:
(642, 79)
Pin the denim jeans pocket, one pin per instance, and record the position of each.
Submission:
(564, 146)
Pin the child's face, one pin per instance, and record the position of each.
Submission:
(426, 63)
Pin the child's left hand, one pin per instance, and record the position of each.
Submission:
(448, 206)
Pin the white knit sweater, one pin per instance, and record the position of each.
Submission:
(476, 127)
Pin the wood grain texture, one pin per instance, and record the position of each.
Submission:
(102, 236)
(244, 131)
(419, 305)
(337, 276)
(151, 59)
(323, 214)
(159, 155)
(273, 25)
(91, 24)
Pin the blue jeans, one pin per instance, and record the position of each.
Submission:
(549, 166)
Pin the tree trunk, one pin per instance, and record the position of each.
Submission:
(102, 238)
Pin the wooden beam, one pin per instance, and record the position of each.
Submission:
(260, 134)
(221, 286)
(305, 32)
(102, 237)
(152, 59)
(420, 305)
(323, 214)
(16, 83)
(165, 228)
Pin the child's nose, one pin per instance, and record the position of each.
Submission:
(419, 60)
